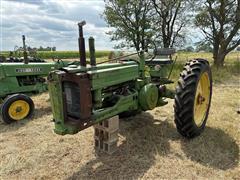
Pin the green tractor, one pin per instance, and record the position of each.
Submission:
(84, 95)
(19, 78)
(15, 56)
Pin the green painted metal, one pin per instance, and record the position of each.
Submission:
(125, 103)
(55, 92)
(160, 70)
(84, 95)
(25, 78)
(21, 69)
(106, 79)
(148, 97)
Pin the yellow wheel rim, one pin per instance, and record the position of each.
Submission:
(19, 110)
(202, 97)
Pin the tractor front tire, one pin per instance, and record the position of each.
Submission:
(193, 98)
(16, 107)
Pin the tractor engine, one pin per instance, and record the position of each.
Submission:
(82, 96)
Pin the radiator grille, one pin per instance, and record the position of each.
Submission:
(72, 94)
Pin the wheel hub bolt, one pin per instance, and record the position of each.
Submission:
(18, 109)
(201, 99)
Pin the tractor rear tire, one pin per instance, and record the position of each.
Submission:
(16, 107)
(193, 98)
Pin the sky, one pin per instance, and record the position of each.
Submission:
(52, 23)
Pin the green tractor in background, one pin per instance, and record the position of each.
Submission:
(84, 95)
(19, 78)
(16, 55)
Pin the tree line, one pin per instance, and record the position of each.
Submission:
(168, 23)
(29, 48)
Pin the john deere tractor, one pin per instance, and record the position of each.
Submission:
(19, 78)
(15, 56)
(87, 94)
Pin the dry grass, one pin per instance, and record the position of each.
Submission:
(149, 146)
(230, 58)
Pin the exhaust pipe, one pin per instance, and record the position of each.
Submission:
(81, 44)
(92, 51)
(25, 56)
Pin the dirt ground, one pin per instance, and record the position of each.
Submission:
(149, 146)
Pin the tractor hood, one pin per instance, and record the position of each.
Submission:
(89, 68)
(2, 74)
(21, 69)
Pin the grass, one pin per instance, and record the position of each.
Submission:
(182, 56)
(232, 61)
(149, 146)
(230, 58)
(220, 75)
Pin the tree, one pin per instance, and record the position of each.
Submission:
(53, 48)
(41, 48)
(131, 20)
(238, 48)
(189, 49)
(135, 21)
(204, 46)
(219, 20)
(172, 17)
(186, 49)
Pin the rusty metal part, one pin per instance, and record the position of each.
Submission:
(24, 51)
(92, 51)
(81, 43)
(82, 82)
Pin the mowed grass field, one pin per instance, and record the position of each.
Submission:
(149, 145)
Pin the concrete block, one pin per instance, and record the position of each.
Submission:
(110, 136)
(110, 147)
(98, 133)
(112, 124)
(105, 135)
(99, 144)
